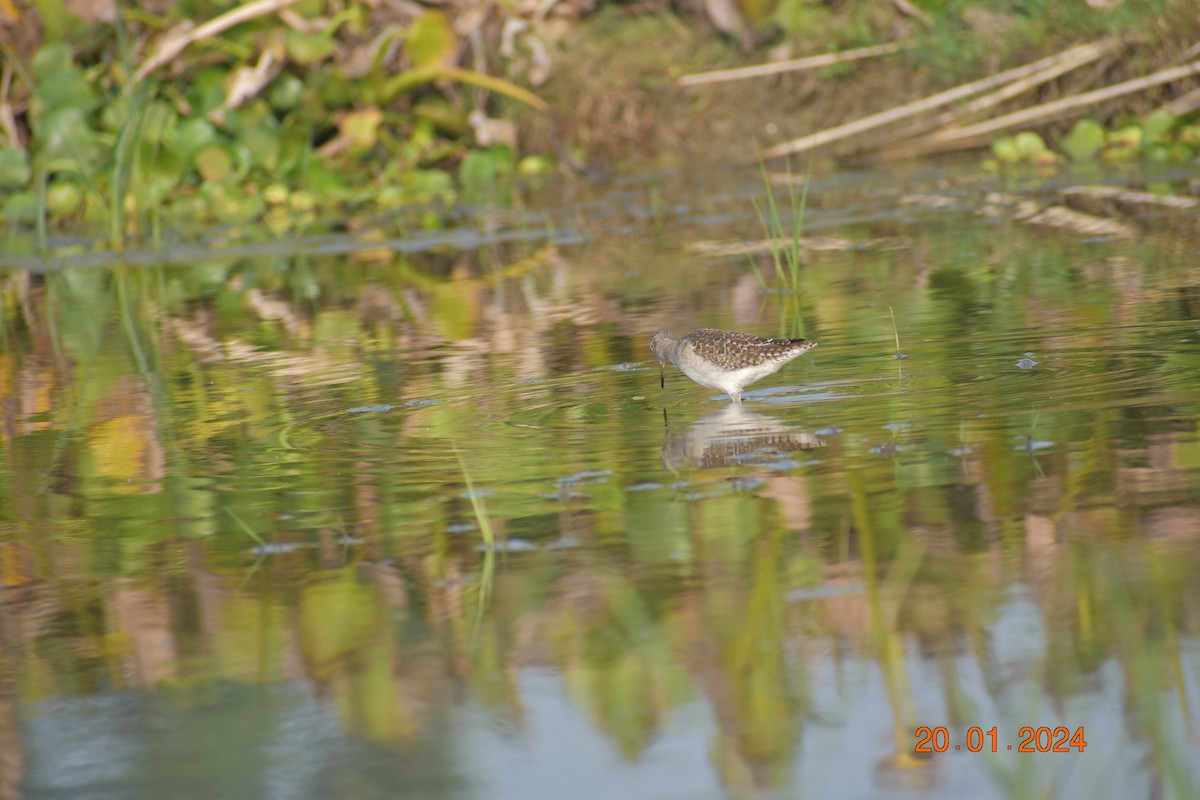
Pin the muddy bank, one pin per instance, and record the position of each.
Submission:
(615, 104)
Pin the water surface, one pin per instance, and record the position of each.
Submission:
(398, 514)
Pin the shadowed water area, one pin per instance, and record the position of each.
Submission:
(405, 514)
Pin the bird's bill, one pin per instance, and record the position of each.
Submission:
(662, 377)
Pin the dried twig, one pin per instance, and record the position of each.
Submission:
(1184, 104)
(722, 248)
(792, 65)
(173, 43)
(1103, 48)
(1032, 213)
(980, 133)
(898, 113)
(901, 143)
(8, 118)
(909, 10)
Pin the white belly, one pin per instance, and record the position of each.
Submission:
(728, 382)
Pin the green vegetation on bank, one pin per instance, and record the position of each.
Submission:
(138, 123)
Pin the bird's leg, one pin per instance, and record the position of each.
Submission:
(735, 397)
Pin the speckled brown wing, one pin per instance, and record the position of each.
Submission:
(733, 350)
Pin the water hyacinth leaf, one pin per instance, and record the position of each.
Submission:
(192, 134)
(308, 48)
(20, 207)
(1084, 141)
(65, 139)
(158, 121)
(63, 87)
(1112, 155)
(285, 92)
(535, 165)
(51, 59)
(1029, 145)
(333, 89)
(207, 90)
(361, 127)
(262, 144)
(1178, 151)
(430, 41)
(421, 186)
(1157, 126)
(1158, 153)
(159, 169)
(63, 198)
(1129, 136)
(322, 180)
(295, 143)
(1005, 151)
(229, 203)
(481, 167)
(213, 162)
(14, 168)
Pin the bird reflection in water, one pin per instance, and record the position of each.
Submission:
(732, 436)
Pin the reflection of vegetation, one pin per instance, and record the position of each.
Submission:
(154, 418)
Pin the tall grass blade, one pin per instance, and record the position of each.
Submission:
(478, 505)
(43, 237)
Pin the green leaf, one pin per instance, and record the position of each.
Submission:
(1005, 150)
(20, 207)
(1029, 145)
(66, 89)
(63, 198)
(1157, 126)
(430, 40)
(14, 168)
(262, 142)
(308, 48)
(193, 134)
(207, 90)
(412, 78)
(1084, 141)
(1129, 136)
(361, 127)
(535, 165)
(159, 169)
(213, 162)
(481, 167)
(64, 137)
(285, 93)
(52, 59)
(158, 121)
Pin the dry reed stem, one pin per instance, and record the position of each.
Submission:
(173, 43)
(902, 144)
(792, 65)
(980, 133)
(1103, 48)
(1184, 104)
(907, 110)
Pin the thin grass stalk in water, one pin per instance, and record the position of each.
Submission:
(772, 225)
(488, 573)
(43, 238)
(478, 505)
(127, 140)
(248, 530)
